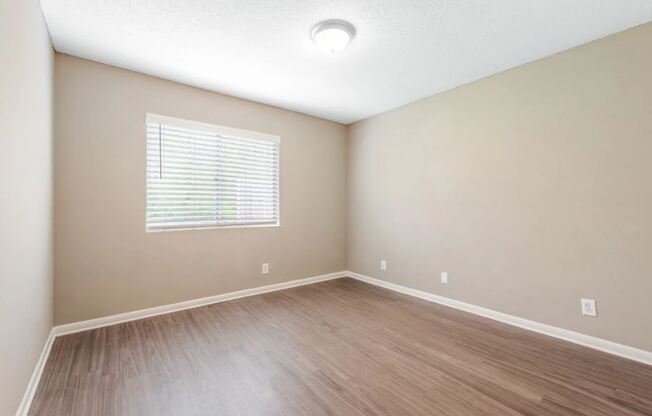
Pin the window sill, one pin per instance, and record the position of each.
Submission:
(212, 227)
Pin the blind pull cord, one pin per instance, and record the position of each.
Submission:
(160, 154)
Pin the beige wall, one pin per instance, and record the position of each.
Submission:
(105, 261)
(25, 195)
(531, 188)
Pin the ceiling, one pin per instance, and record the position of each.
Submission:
(261, 50)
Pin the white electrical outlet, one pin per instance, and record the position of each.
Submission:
(383, 265)
(444, 277)
(589, 308)
(265, 268)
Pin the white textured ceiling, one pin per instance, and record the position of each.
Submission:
(261, 50)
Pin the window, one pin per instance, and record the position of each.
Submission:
(200, 175)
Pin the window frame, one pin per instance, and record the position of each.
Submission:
(222, 131)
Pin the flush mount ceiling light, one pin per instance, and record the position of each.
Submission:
(333, 35)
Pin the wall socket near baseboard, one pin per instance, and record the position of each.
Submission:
(589, 307)
(444, 277)
(265, 268)
(383, 265)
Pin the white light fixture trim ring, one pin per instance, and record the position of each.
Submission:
(333, 35)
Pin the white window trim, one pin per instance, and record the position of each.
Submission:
(213, 128)
(224, 131)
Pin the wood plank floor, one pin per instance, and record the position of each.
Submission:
(335, 348)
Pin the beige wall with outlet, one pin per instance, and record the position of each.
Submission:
(105, 261)
(531, 188)
(26, 62)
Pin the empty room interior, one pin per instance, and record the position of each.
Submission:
(342, 207)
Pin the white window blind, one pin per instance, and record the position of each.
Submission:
(200, 175)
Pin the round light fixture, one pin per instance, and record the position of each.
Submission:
(333, 35)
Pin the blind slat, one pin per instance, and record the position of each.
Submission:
(208, 137)
(208, 144)
(210, 180)
(154, 172)
(200, 146)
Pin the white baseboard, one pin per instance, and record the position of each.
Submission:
(36, 377)
(66, 329)
(194, 303)
(610, 347)
(574, 337)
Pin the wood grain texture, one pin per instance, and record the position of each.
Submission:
(341, 347)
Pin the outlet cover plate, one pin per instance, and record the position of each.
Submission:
(589, 307)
